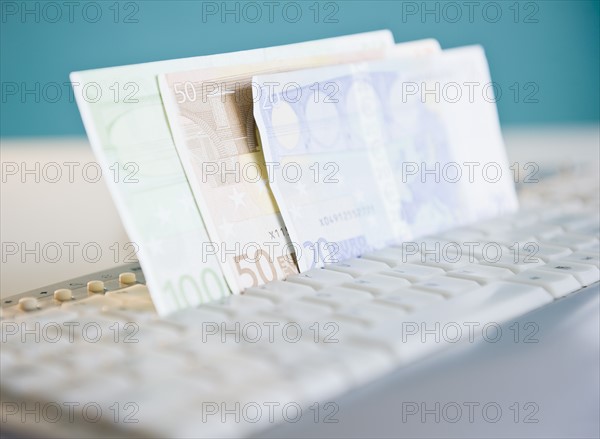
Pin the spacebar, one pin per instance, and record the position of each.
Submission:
(416, 335)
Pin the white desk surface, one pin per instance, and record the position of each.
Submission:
(84, 213)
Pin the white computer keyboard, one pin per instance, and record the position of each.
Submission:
(93, 358)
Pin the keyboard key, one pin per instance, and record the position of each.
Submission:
(480, 273)
(508, 261)
(194, 319)
(523, 219)
(280, 291)
(319, 278)
(463, 234)
(584, 258)
(585, 274)
(236, 305)
(591, 231)
(541, 231)
(391, 256)
(357, 267)
(495, 225)
(557, 284)
(289, 288)
(450, 249)
(413, 272)
(574, 242)
(572, 222)
(377, 284)
(339, 297)
(447, 286)
(297, 311)
(544, 252)
(510, 237)
(446, 261)
(410, 299)
(369, 314)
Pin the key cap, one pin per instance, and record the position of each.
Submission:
(575, 221)
(29, 304)
(297, 311)
(338, 297)
(204, 343)
(195, 318)
(447, 262)
(284, 348)
(318, 278)
(545, 252)
(489, 227)
(585, 274)
(583, 257)
(508, 261)
(280, 291)
(480, 273)
(356, 267)
(369, 314)
(541, 231)
(236, 305)
(591, 231)
(509, 238)
(413, 272)
(377, 284)
(463, 234)
(564, 205)
(557, 284)
(409, 299)
(574, 242)
(523, 219)
(392, 256)
(446, 286)
(470, 250)
(449, 250)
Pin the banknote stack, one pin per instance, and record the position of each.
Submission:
(257, 165)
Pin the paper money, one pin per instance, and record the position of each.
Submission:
(380, 152)
(125, 121)
(211, 118)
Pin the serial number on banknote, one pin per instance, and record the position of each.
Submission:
(347, 215)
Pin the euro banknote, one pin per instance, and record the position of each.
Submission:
(211, 117)
(125, 121)
(376, 153)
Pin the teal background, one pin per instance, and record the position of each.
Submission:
(559, 53)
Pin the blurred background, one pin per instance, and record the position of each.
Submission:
(544, 57)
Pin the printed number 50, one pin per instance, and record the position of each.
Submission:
(257, 261)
